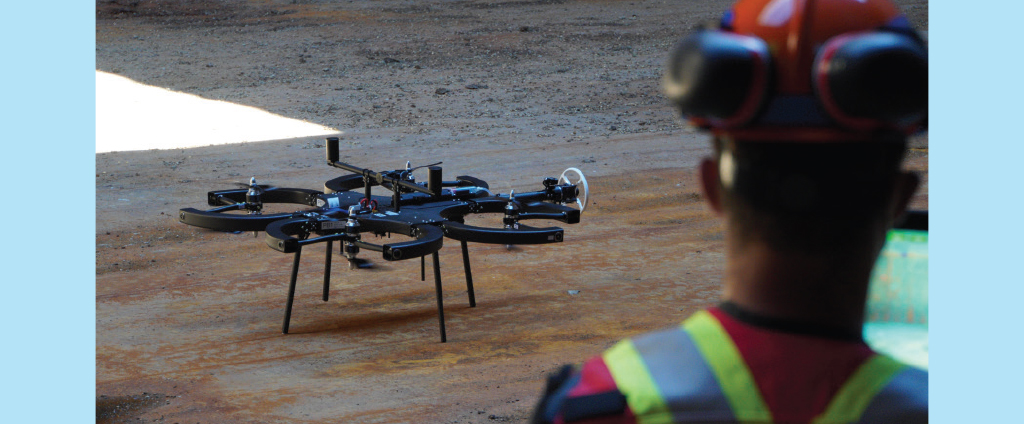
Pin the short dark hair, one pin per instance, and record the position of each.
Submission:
(808, 196)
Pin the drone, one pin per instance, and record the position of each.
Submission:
(346, 211)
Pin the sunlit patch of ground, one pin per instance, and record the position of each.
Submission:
(134, 116)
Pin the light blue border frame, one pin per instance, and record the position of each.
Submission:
(976, 167)
(49, 284)
(976, 171)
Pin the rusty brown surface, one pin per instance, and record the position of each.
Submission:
(189, 321)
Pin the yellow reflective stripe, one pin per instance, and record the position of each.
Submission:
(729, 368)
(634, 379)
(855, 395)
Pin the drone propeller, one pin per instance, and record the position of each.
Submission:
(568, 176)
(408, 164)
(252, 184)
(264, 187)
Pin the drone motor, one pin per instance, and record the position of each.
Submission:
(352, 229)
(254, 198)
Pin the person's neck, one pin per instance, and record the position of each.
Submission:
(814, 289)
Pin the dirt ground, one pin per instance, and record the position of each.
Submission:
(188, 320)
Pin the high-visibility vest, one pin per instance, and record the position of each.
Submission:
(694, 373)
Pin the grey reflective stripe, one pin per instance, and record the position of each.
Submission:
(686, 383)
(558, 397)
(904, 399)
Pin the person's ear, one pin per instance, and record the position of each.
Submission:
(711, 184)
(906, 185)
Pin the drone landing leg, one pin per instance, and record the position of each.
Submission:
(440, 302)
(469, 275)
(291, 290)
(327, 270)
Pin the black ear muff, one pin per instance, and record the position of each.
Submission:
(719, 76)
(873, 80)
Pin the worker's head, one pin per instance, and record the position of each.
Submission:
(812, 198)
(809, 103)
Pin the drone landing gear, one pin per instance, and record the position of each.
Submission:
(327, 283)
(440, 299)
(291, 290)
(465, 265)
(469, 274)
(327, 272)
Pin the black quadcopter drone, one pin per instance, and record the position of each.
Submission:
(427, 212)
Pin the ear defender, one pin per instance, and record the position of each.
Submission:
(873, 80)
(719, 78)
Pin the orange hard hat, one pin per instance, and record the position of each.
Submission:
(803, 70)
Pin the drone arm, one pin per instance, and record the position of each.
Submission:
(332, 160)
(565, 193)
(229, 207)
(380, 178)
(220, 198)
(535, 210)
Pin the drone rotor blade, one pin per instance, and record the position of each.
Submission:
(424, 166)
(247, 185)
(584, 191)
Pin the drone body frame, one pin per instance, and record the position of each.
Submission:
(428, 212)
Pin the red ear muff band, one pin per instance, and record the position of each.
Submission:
(719, 76)
(873, 80)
